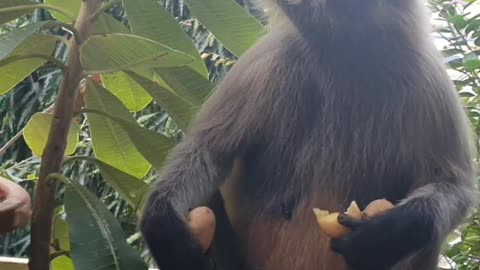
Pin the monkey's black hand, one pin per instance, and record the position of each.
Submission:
(171, 244)
(379, 243)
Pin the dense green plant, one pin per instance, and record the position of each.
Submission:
(139, 65)
(458, 29)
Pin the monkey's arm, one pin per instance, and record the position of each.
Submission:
(196, 168)
(423, 220)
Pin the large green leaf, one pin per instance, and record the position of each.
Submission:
(111, 143)
(148, 19)
(129, 187)
(12, 39)
(36, 134)
(152, 145)
(231, 24)
(116, 52)
(187, 83)
(6, 17)
(97, 240)
(13, 73)
(178, 108)
(72, 6)
(132, 95)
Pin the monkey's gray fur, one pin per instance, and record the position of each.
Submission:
(342, 100)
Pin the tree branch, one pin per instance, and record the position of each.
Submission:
(52, 158)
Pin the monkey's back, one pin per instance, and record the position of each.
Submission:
(336, 132)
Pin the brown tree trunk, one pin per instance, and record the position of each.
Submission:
(52, 158)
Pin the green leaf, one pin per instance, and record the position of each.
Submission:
(14, 72)
(471, 62)
(132, 95)
(9, 16)
(96, 238)
(111, 143)
(36, 134)
(106, 24)
(62, 263)
(152, 145)
(116, 52)
(61, 234)
(130, 188)
(458, 21)
(148, 19)
(181, 111)
(12, 39)
(187, 83)
(231, 24)
(72, 6)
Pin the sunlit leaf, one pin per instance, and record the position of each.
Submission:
(129, 187)
(152, 145)
(97, 240)
(187, 83)
(148, 19)
(37, 130)
(61, 234)
(178, 108)
(72, 6)
(132, 95)
(111, 143)
(116, 52)
(231, 24)
(62, 263)
(13, 73)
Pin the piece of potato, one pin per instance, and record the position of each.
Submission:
(201, 222)
(376, 208)
(354, 211)
(328, 222)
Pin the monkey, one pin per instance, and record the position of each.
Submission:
(341, 100)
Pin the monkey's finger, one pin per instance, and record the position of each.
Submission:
(201, 221)
(348, 221)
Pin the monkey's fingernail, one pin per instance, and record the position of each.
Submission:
(348, 221)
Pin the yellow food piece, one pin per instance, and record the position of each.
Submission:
(376, 208)
(328, 223)
(354, 211)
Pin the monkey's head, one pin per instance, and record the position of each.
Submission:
(315, 9)
(308, 15)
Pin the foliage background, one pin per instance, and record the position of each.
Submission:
(457, 30)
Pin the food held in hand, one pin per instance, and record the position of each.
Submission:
(376, 208)
(329, 224)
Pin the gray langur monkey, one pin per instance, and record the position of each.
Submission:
(342, 100)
